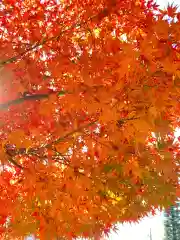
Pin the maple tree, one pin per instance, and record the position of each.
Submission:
(89, 101)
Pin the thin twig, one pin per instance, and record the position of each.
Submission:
(15, 163)
(23, 99)
(30, 98)
(44, 41)
(70, 134)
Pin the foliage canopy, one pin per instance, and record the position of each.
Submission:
(89, 101)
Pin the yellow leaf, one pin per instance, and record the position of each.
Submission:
(26, 143)
(109, 114)
(114, 196)
(16, 138)
(153, 111)
(3, 156)
(63, 146)
(19, 139)
(141, 125)
(178, 73)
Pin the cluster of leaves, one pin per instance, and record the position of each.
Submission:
(83, 85)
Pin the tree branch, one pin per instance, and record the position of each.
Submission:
(100, 15)
(12, 151)
(30, 98)
(15, 163)
(70, 134)
(23, 99)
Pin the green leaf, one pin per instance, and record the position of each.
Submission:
(61, 93)
(110, 167)
(160, 145)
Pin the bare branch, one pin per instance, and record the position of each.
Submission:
(81, 128)
(30, 97)
(100, 15)
(23, 99)
(15, 163)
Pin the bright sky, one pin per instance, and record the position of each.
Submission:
(155, 224)
(142, 230)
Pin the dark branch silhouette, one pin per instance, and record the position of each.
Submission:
(23, 99)
(100, 15)
(30, 97)
(81, 128)
(15, 163)
(12, 151)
